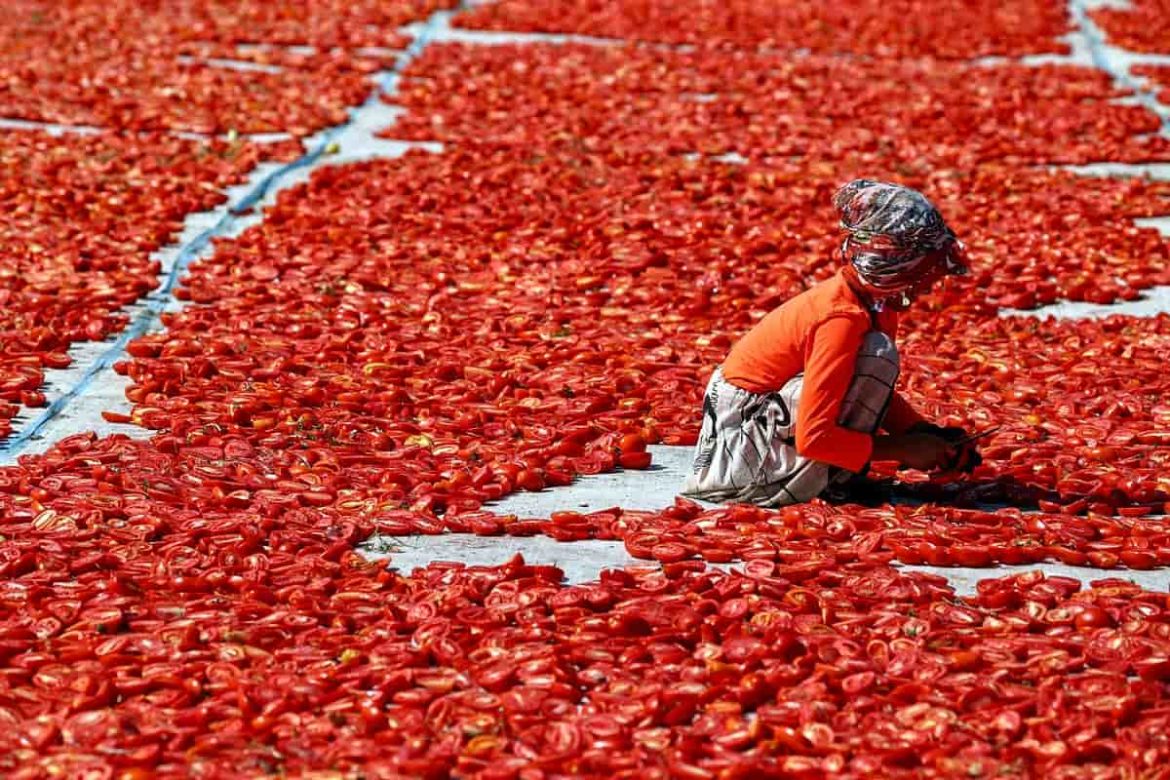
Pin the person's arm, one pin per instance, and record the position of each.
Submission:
(830, 360)
(900, 417)
(829, 364)
(965, 455)
(923, 451)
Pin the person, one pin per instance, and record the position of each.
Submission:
(806, 399)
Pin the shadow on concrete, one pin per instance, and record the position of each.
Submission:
(991, 493)
(965, 493)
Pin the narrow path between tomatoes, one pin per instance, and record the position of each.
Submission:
(56, 129)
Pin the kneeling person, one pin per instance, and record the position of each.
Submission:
(798, 406)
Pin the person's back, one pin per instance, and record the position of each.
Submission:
(773, 351)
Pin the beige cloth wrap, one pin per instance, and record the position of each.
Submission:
(747, 446)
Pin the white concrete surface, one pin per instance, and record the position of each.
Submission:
(202, 222)
(358, 140)
(731, 158)
(56, 130)
(648, 490)
(728, 158)
(304, 51)
(53, 129)
(308, 51)
(584, 561)
(1158, 171)
(1161, 224)
(651, 489)
(355, 142)
(1153, 302)
(77, 395)
(581, 561)
(443, 32)
(256, 138)
(245, 66)
(1080, 55)
(82, 412)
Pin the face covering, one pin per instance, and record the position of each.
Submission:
(895, 237)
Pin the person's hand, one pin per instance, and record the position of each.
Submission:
(922, 451)
(925, 451)
(966, 456)
(951, 433)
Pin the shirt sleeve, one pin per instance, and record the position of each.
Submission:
(900, 416)
(830, 359)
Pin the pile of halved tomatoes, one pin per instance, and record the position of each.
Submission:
(1139, 26)
(400, 342)
(946, 29)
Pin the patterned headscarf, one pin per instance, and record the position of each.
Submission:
(895, 234)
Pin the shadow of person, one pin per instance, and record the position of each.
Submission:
(991, 492)
(976, 492)
(985, 492)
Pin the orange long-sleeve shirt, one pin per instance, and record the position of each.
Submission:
(817, 333)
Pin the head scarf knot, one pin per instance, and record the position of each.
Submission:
(895, 235)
